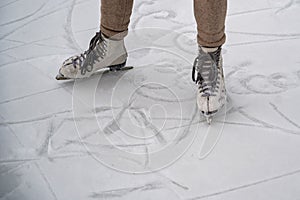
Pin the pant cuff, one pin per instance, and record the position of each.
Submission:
(211, 40)
(112, 34)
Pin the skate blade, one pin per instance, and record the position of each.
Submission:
(101, 71)
(209, 120)
(211, 114)
(115, 69)
(208, 116)
(61, 77)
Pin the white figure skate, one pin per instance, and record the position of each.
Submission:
(208, 75)
(102, 53)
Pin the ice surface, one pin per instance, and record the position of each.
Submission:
(137, 134)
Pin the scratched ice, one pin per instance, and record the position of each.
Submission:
(137, 134)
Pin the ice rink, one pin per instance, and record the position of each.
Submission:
(137, 134)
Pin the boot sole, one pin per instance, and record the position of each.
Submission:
(111, 68)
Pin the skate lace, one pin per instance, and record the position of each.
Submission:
(205, 72)
(88, 58)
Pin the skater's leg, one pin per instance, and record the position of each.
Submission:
(107, 48)
(115, 17)
(210, 17)
(208, 70)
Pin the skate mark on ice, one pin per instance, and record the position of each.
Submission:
(179, 185)
(102, 146)
(241, 124)
(113, 125)
(9, 3)
(72, 154)
(25, 17)
(149, 125)
(267, 125)
(22, 60)
(261, 42)
(267, 180)
(45, 147)
(214, 132)
(44, 177)
(12, 191)
(51, 11)
(82, 141)
(8, 161)
(79, 142)
(35, 43)
(71, 41)
(156, 98)
(171, 181)
(249, 11)
(187, 128)
(31, 21)
(41, 118)
(286, 6)
(147, 156)
(294, 35)
(121, 192)
(257, 122)
(11, 131)
(29, 95)
(12, 169)
(186, 125)
(56, 117)
(138, 13)
(274, 83)
(159, 14)
(284, 116)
